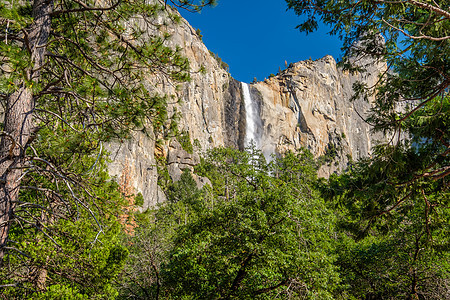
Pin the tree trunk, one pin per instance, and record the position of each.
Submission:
(18, 122)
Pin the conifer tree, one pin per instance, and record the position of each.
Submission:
(395, 205)
(72, 77)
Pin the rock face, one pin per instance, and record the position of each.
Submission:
(306, 105)
(179, 159)
(134, 166)
(210, 113)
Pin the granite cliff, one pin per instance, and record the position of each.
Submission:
(305, 105)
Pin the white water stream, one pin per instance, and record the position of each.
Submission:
(252, 119)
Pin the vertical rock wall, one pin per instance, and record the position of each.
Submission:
(209, 106)
(306, 105)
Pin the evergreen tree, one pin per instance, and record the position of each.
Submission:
(72, 77)
(395, 205)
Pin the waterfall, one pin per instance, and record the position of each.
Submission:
(252, 119)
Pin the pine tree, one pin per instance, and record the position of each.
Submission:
(395, 205)
(73, 77)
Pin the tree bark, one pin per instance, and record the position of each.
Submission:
(18, 122)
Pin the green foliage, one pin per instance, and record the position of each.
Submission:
(153, 238)
(139, 200)
(164, 179)
(90, 88)
(197, 145)
(405, 253)
(331, 152)
(259, 231)
(260, 235)
(410, 36)
(185, 140)
(394, 208)
(77, 256)
(199, 33)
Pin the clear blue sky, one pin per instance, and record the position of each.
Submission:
(256, 37)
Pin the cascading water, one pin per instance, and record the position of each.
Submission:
(252, 119)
